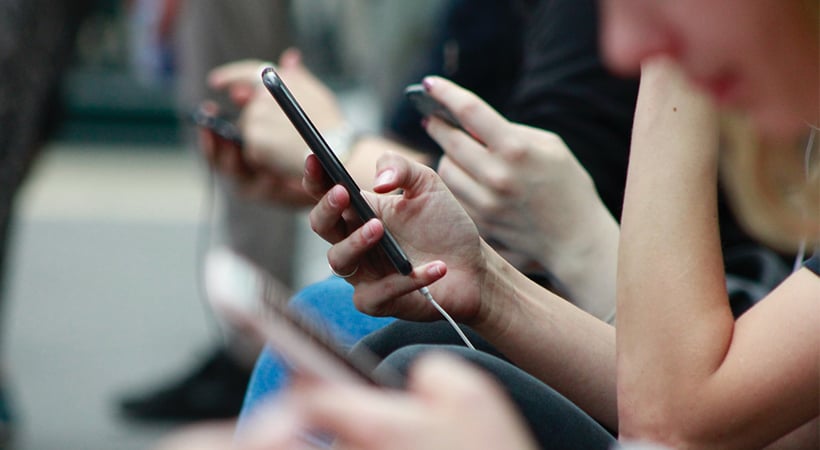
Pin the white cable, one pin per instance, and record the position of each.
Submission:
(801, 250)
(426, 293)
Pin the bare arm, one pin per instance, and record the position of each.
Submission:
(688, 374)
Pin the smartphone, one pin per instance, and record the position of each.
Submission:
(427, 106)
(307, 349)
(221, 126)
(331, 164)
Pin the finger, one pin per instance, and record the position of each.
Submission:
(394, 171)
(290, 58)
(461, 148)
(471, 193)
(314, 179)
(477, 117)
(345, 256)
(207, 145)
(246, 71)
(326, 217)
(378, 298)
(360, 417)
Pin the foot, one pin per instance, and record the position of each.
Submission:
(214, 389)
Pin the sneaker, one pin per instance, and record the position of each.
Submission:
(213, 390)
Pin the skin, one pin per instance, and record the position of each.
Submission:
(687, 374)
(736, 51)
(270, 168)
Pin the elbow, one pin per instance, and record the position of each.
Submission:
(665, 423)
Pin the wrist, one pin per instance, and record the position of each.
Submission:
(342, 139)
(502, 290)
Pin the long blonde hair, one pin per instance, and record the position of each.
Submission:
(773, 186)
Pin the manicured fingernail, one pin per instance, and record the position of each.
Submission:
(435, 270)
(428, 83)
(386, 177)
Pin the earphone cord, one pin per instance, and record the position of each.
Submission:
(426, 293)
(801, 250)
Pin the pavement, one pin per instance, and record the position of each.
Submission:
(104, 294)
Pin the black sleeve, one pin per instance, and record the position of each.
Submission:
(565, 88)
(478, 46)
(813, 264)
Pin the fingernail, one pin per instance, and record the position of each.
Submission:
(424, 122)
(369, 232)
(435, 270)
(333, 198)
(386, 177)
(428, 83)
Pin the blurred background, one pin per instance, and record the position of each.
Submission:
(103, 288)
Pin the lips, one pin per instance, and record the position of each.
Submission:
(724, 88)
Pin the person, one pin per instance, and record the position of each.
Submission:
(682, 371)
(589, 108)
(562, 86)
(204, 35)
(36, 46)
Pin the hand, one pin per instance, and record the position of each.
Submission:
(522, 186)
(428, 223)
(253, 181)
(270, 138)
(447, 405)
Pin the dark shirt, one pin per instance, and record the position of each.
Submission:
(537, 62)
(813, 264)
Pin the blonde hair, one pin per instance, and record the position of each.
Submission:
(773, 186)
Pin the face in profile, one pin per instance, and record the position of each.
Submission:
(759, 56)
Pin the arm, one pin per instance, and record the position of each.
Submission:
(528, 192)
(274, 153)
(542, 333)
(688, 374)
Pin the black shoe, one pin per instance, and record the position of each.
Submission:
(6, 419)
(214, 390)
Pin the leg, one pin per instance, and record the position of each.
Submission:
(553, 420)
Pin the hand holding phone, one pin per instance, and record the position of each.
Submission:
(220, 126)
(428, 106)
(331, 164)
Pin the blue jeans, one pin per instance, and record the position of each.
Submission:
(329, 304)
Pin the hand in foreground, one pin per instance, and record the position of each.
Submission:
(428, 223)
(522, 185)
(448, 405)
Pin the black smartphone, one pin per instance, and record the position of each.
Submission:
(428, 106)
(331, 164)
(307, 348)
(221, 126)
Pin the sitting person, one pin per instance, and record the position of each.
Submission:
(692, 378)
(683, 379)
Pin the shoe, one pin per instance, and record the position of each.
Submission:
(6, 419)
(213, 390)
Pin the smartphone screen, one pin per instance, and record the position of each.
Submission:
(331, 164)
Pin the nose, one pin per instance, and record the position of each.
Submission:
(630, 34)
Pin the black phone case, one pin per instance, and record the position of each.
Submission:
(331, 164)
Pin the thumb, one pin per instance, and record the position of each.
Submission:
(394, 171)
(291, 58)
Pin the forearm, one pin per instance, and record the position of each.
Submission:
(587, 266)
(567, 348)
(674, 321)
